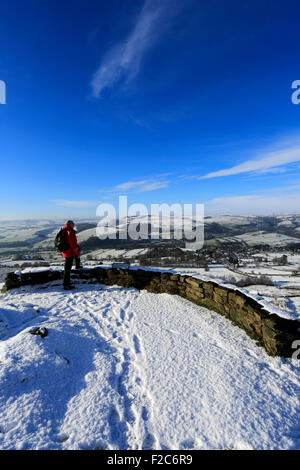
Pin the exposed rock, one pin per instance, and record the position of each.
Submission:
(43, 332)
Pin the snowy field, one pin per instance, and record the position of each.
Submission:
(123, 369)
(260, 237)
(106, 254)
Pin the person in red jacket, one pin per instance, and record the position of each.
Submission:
(72, 252)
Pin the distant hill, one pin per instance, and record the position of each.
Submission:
(38, 235)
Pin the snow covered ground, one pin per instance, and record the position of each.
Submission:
(123, 369)
(260, 237)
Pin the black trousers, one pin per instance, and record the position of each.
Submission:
(68, 267)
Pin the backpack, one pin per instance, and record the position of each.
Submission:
(61, 243)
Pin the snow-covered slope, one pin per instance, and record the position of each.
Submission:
(123, 369)
(261, 237)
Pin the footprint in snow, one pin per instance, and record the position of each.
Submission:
(138, 381)
(118, 429)
(122, 314)
(145, 414)
(60, 438)
(115, 336)
(187, 444)
(97, 445)
(148, 442)
(137, 346)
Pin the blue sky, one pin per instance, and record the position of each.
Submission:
(170, 101)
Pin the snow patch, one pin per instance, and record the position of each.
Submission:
(123, 369)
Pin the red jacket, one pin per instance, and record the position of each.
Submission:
(72, 241)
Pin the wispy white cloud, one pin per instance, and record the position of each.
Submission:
(76, 204)
(273, 171)
(291, 187)
(123, 60)
(150, 186)
(255, 204)
(270, 162)
(144, 185)
(129, 185)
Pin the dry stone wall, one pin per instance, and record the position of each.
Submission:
(274, 333)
